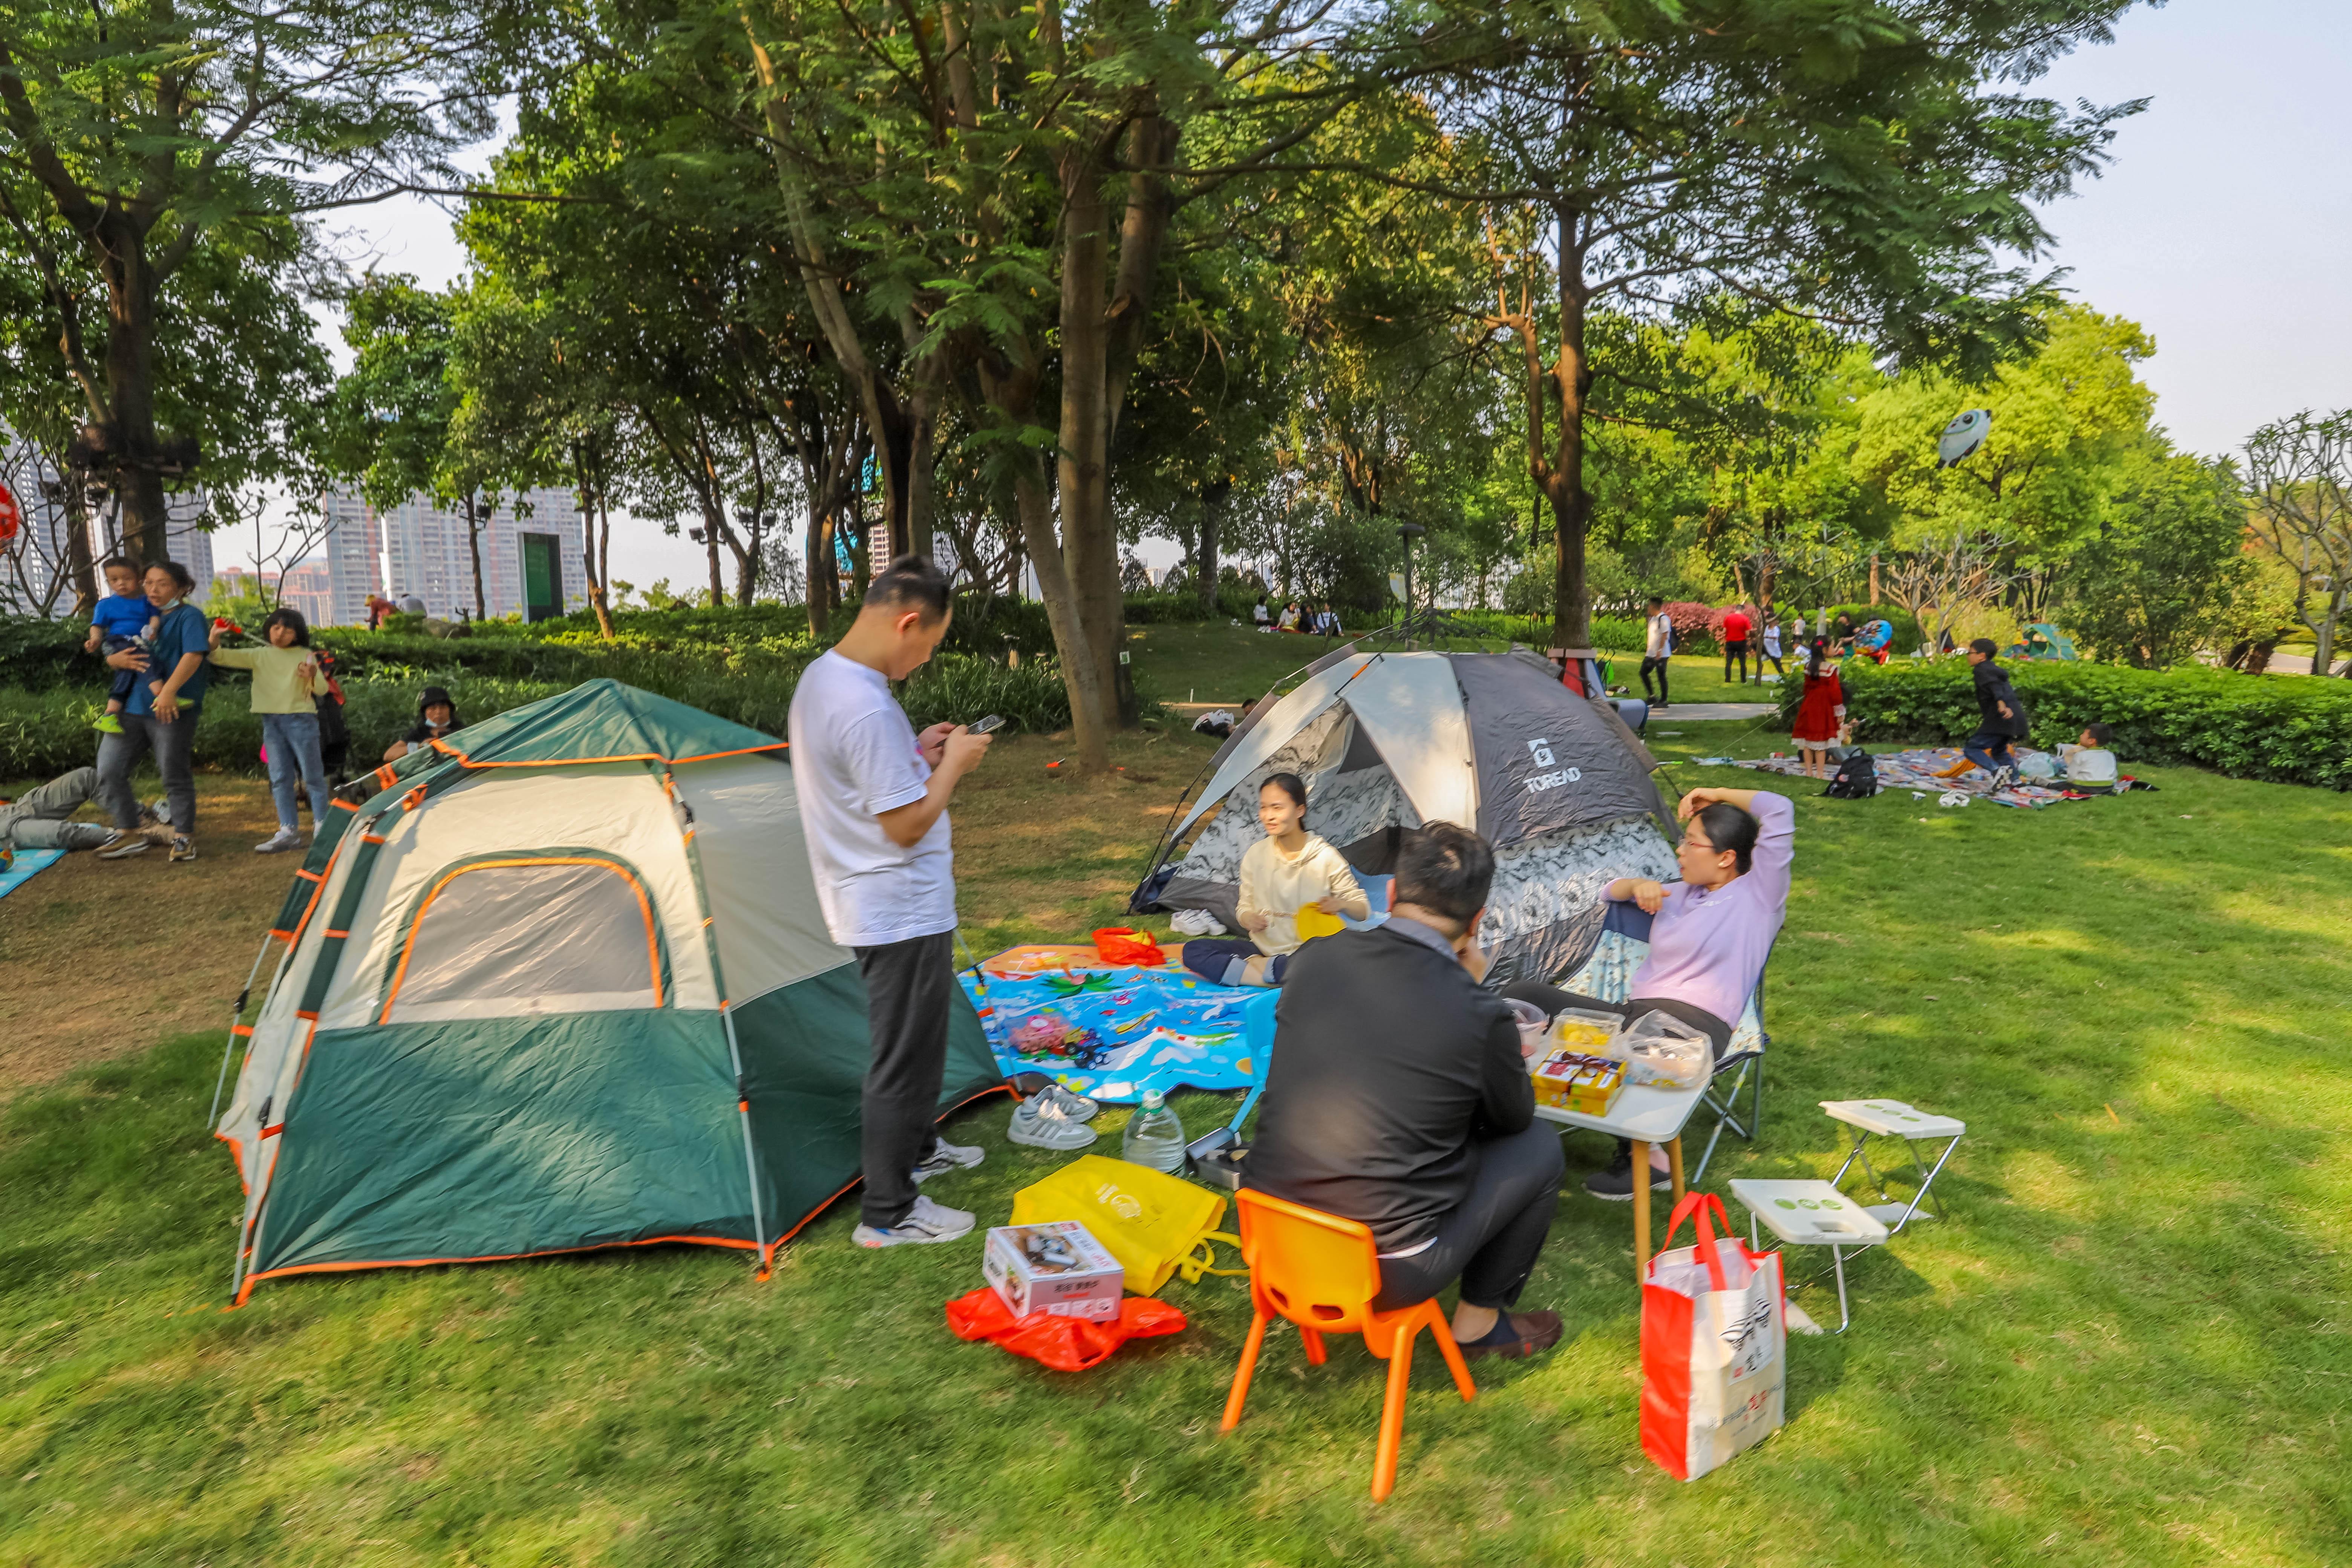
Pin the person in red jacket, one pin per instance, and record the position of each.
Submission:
(1735, 627)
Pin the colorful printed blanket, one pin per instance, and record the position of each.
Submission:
(1918, 768)
(1114, 1033)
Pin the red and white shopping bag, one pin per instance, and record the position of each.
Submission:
(1714, 1346)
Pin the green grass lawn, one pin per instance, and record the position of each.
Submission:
(2128, 1345)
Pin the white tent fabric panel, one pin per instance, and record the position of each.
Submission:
(534, 936)
(616, 807)
(1409, 705)
(1275, 730)
(755, 872)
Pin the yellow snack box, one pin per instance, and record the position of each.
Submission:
(1572, 1081)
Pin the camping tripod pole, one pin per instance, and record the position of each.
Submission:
(236, 1016)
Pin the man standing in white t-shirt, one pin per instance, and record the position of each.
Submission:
(1657, 648)
(874, 806)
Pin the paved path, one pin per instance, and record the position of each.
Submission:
(1701, 712)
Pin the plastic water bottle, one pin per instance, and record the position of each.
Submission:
(1154, 1137)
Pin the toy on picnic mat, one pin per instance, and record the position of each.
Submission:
(1660, 1048)
(1120, 945)
(1057, 1266)
(1049, 1033)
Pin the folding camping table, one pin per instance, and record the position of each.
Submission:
(1812, 1214)
(1647, 1114)
(1892, 1119)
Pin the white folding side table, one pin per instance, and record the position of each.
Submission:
(1892, 1119)
(1646, 1114)
(1811, 1213)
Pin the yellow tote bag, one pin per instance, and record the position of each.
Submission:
(1154, 1224)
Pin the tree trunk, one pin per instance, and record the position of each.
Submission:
(1563, 484)
(81, 563)
(474, 549)
(121, 245)
(1090, 545)
(600, 594)
(1212, 508)
(1089, 698)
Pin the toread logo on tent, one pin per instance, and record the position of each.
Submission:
(1541, 751)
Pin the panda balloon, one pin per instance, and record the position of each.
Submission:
(1963, 436)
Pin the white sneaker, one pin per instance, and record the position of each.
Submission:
(926, 1222)
(278, 843)
(122, 846)
(1077, 1107)
(949, 1157)
(1196, 922)
(1042, 1124)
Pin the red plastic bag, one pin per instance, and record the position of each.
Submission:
(1066, 1344)
(1118, 944)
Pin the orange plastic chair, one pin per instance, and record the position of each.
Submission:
(1321, 1272)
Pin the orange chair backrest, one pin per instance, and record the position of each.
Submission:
(1317, 1269)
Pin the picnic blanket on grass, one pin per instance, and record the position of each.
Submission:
(1916, 769)
(1113, 1033)
(28, 862)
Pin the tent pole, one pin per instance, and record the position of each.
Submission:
(235, 1015)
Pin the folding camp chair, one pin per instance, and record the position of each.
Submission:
(1738, 1075)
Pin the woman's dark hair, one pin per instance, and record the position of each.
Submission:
(287, 616)
(1446, 870)
(1814, 655)
(178, 573)
(1290, 785)
(1728, 827)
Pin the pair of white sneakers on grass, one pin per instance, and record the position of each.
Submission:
(1053, 1118)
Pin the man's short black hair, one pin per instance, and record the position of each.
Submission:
(1655, 600)
(1986, 646)
(2103, 734)
(911, 582)
(1445, 870)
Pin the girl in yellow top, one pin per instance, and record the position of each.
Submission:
(286, 685)
(1288, 870)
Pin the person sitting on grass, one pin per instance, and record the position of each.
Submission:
(38, 819)
(2091, 760)
(1396, 1096)
(1709, 935)
(1283, 873)
(437, 716)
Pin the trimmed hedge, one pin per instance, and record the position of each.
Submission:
(2285, 729)
(44, 733)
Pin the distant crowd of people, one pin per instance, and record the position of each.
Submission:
(1765, 636)
(160, 652)
(1298, 616)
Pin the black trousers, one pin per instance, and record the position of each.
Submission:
(1658, 665)
(1490, 1242)
(907, 987)
(1775, 658)
(1737, 650)
(1551, 999)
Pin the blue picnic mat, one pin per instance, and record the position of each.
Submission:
(1114, 1034)
(28, 861)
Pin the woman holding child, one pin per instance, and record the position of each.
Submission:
(160, 715)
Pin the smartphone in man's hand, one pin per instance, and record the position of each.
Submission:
(989, 725)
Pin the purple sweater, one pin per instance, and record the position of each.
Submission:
(1707, 946)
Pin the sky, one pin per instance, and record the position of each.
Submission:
(2221, 225)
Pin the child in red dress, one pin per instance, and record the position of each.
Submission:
(1821, 717)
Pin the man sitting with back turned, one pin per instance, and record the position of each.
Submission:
(1397, 1096)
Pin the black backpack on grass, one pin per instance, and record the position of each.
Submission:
(1857, 778)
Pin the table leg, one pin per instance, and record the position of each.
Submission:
(1641, 1211)
(1675, 1163)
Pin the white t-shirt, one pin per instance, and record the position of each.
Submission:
(1662, 635)
(2089, 765)
(1773, 639)
(854, 757)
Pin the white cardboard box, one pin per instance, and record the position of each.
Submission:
(1057, 1267)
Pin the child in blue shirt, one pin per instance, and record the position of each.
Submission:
(122, 619)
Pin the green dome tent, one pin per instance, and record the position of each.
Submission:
(560, 984)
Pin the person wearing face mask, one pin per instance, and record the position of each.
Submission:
(1709, 934)
(437, 716)
(161, 715)
(1281, 875)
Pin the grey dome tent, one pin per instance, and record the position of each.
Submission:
(1388, 741)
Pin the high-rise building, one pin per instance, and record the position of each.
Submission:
(31, 563)
(310, 586)
(350, 551)
(532, 556)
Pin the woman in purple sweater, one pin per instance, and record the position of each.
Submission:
(1709, 933)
